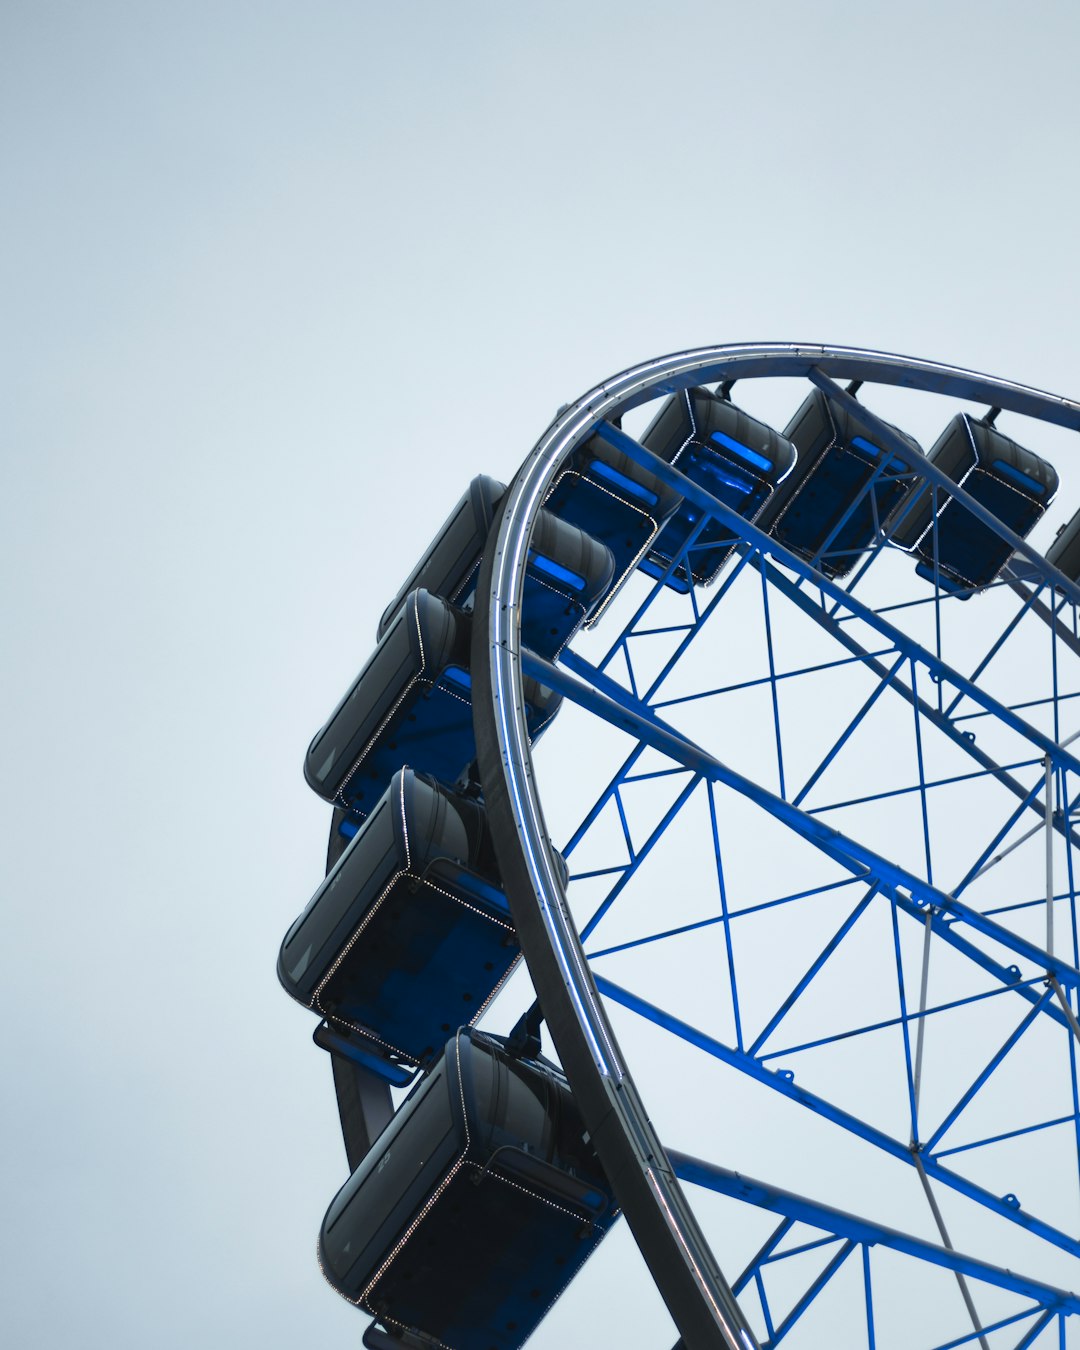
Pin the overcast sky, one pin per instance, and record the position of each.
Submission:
(276, 280)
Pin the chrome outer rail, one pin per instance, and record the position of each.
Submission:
(686, 1273)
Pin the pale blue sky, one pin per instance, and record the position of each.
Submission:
(276, 280)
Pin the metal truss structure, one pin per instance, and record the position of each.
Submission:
(822, 845)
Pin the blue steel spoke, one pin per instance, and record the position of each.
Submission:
(762, 1254)
(637, 859)
(868, 1297)
(776, 1257)
(886, 1023)
(760, 905)
(1029, 1339)
(973, 1336)
(1023, 904)
(922, 775)
(729, 945)
(920, 603)
(629, 661)
(1018, 707)
(657, 632)
(652, 773)
(617, 795)
(882, 684)
(814, 1290)
(1072, 887)
(901, 991)
(765, 679)
(1009, 629)
(598, 872)
(935, 517)
(1074, 1084)
(594, 811)
(700, 619)
(726, 916)
(657, 589)
(620, 648)
(1054, 675)
(1008, 1134)
(984, 1075)
(815, 966)
(1054, 791)
(984, 858)
(938, 782)
(796, 1208)
(785, 1085)
(772, 685)
(763, 1299)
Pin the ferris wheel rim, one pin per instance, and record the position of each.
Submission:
(593, 1061)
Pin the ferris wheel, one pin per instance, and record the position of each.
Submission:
(792, 873)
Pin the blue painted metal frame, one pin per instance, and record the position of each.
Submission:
(635, 711)
(867, 1233)
(651, 730)
(612, 703)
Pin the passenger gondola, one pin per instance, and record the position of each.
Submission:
(734, 457)
(953, 545)
(1064, 552)
(614, 499)
(411, 704)
(410, 935)
(474, 1208)
(568, 572)
(841, 490)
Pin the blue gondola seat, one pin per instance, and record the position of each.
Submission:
(731, 455)
(411, 704)
(568, 572)
(474, 1208)
(1016, 485)
(614, 499)
(410, 935)
(840, 492)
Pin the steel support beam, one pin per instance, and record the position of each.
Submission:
(850, 1226)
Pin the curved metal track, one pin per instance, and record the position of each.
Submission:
(686, 1273)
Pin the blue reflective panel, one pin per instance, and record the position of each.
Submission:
(556, 570)
(1015, 475)
(478, 886)
(601, 470)
(730, 479)
(743, 451)
(892, 462)
(457, 676)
